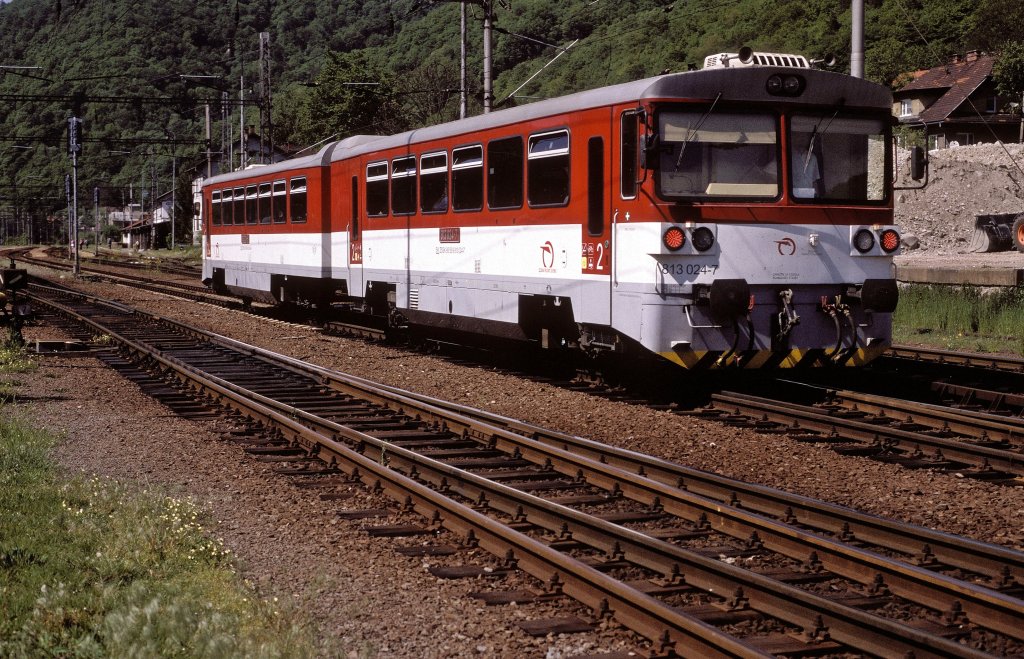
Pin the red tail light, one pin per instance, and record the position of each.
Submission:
(889, 240)
(674, 239)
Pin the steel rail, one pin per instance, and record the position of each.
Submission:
(913, 583)
(1000, 564)
(979, 360)
(194, 293)
(976, 395)
(606, 533)
(642, 613)
(937, 417)
(799, 417)
(848, 625)
(992, 560)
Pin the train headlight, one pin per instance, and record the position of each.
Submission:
(790, 85)
(863, 241)
(703, 239)
(889, 240)
(673, 239)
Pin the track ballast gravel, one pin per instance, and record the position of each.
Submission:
(369, 601)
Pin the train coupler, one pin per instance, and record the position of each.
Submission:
(785, 320)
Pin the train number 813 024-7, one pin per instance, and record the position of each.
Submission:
(689, 268)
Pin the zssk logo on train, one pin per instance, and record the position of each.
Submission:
(786, 246)
(547, 257)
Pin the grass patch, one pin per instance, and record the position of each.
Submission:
(13, 360)
(965, 318)
(94, 568)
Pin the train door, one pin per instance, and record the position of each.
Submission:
(355, 243)
(624, 190)
(597, 229)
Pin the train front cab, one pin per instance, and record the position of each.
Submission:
(761, 233)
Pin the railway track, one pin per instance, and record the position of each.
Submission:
(193, 292)
(852, 432)
(973, 359)
(655, 546)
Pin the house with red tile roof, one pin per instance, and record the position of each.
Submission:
(957, 104)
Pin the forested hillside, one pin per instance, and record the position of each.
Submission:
(408, 48)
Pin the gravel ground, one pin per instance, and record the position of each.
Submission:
(963, 182)
(368, 600)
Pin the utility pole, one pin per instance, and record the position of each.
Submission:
(462, 62)
(857, 39)
(241, 123)
(96, 216)
(74, 146)
(174, 190)
(488, 6)
(209, 137)
(67, 197)
(266, 153)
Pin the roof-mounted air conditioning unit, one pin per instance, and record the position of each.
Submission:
(747, 57)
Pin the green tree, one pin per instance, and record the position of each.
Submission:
(995, 22)
(352, 96)
(1008, 71)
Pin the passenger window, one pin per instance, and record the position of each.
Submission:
(377, 189)
(238, 205)
(278, 203)
(505, 173)
(403, 186)
(265, 204)
(547, 169)
(355, 208)
(297, 198)
(630, 151)
(250, 204)
(434, 183)
(216, 208)
(468, 178)
(595, 186)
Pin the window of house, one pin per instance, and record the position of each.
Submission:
(906, 108)
(279, 202)
(377, 189)
(297, 197)
(991, 105)
(434, 182)
(468, 178)
(403, 186)
(505, 173)
(547, 169)
(216, 211)
(238, 205)
(266, 204)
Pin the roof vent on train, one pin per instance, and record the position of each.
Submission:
(747, 57)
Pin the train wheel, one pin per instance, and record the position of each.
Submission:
(1018, 233)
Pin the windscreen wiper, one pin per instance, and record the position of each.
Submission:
(696, 131)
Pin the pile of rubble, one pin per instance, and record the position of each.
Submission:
(963, 182)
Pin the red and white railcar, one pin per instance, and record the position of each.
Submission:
(740, 215)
